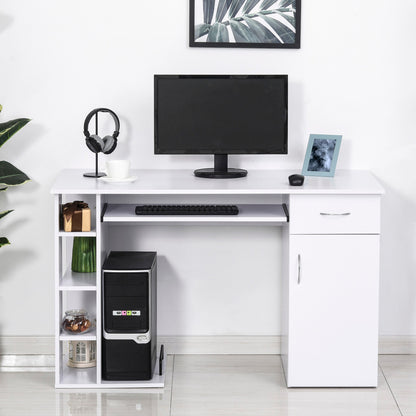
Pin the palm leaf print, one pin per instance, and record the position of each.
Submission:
(247, 21)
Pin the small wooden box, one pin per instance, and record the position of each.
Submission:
(76, 216)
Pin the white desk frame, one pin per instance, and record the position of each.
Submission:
(329, 318)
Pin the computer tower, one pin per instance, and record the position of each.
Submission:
(129, 296)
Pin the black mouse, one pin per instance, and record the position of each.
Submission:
(296, 180)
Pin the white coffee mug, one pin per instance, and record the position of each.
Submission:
(118, 169)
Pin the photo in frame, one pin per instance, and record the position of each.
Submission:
(321, 155)
(245, 23)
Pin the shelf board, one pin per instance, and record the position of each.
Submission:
(86, 378)
(261, 214)
(78, 281)
(89, 336)
(91, 233)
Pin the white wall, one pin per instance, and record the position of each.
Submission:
(354, 75)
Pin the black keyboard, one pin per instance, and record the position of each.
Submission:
(186, 210)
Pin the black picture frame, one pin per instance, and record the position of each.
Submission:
(254, 24)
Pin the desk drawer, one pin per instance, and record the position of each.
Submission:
(334, 214)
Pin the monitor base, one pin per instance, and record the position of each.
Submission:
(211, 173)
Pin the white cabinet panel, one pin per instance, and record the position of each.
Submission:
(333, 310)
(334, 214)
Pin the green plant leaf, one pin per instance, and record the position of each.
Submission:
(235, 7)
(3, 188)
(272, 21)
(218, 33)
(1, 108)
(267, 3)
(285, 16)
(4, 213)
(242, 33)
(262, 32)
(249, 6)
(10, 175)
(208, 8)
(285, 3)
(222, 9)
(9, 128)
(286, 34)
(4, 241)
(201, 30)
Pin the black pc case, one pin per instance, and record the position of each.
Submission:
(129, 316)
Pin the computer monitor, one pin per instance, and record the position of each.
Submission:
(221, 115)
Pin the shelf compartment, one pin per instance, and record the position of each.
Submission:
(261, 214)
(78, 281)
(77, 377)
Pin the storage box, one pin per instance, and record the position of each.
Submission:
(76, 216)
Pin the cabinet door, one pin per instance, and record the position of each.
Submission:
(333, 310)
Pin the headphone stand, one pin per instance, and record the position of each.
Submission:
(95, 174)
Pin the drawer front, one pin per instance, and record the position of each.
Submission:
(334, 214)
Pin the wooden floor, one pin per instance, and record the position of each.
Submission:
(217, 385)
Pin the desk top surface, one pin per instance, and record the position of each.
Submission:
(183, 182)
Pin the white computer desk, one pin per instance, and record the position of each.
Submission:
(331, 235)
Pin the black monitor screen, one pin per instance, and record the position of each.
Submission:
(221, 114)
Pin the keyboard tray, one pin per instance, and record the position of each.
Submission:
(260, 214)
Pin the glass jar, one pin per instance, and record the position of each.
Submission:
(82, 354)
(76, 321)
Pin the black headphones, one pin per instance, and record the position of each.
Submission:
(94, 142)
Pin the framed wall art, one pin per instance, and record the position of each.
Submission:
(245, 23)
(321, 155)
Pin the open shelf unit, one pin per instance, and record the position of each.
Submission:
(74, 291)
(82, 291)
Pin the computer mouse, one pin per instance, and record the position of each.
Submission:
(296, 180)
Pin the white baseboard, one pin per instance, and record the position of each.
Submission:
(397, 344)
(221, 344)
(27, 353)
(400, 344)
(36, 353)
(23, 363)
(21, 345)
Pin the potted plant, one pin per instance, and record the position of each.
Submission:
(9, 174)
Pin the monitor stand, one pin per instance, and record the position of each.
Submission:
(220, 170)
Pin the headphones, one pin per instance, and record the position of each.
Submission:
(94, 142)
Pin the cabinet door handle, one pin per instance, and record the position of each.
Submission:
(342, 214)
(299, 268)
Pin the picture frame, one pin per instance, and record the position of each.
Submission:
(245, 23)
(321, 155)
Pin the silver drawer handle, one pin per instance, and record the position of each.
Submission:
(343, 214)
(299, 268)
